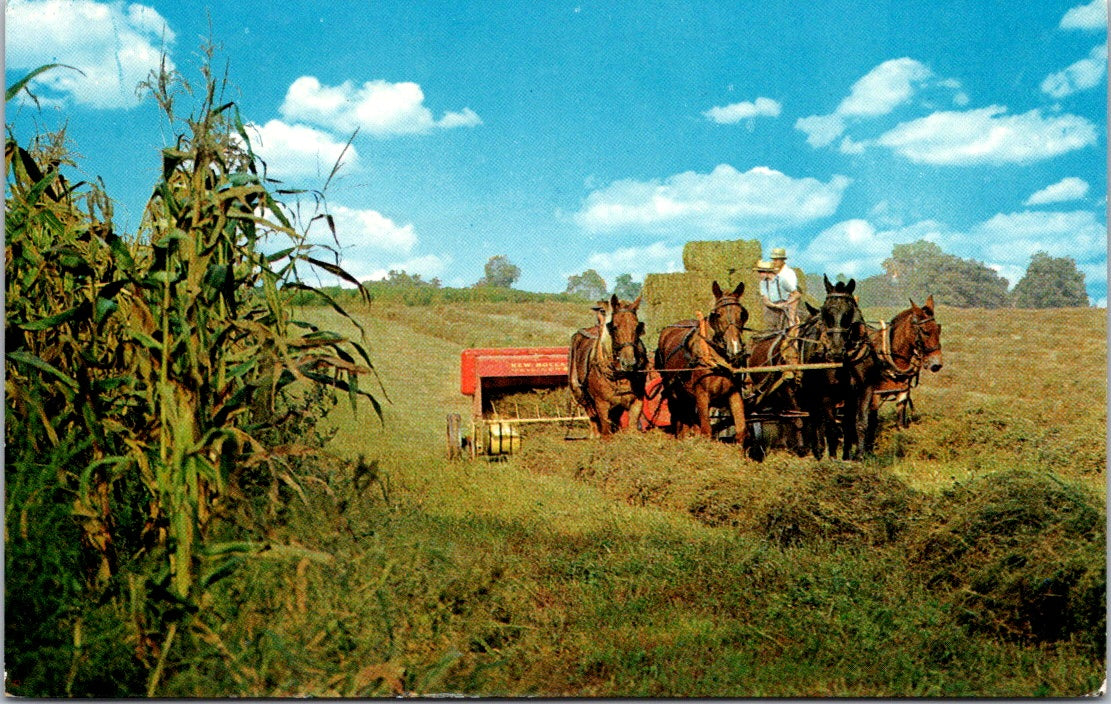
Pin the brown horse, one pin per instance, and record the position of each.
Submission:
(607, 364)
(699, 361)
(906, 345)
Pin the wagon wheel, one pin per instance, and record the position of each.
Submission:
(454, 436)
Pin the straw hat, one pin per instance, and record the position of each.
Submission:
(779, 253)
(764, 265)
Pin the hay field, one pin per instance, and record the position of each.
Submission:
(965, 560)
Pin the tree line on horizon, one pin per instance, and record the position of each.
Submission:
(914, 270)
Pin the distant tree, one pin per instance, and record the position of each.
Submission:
(1051, 282)
(879, 291)
(500, 272)
(625, 287)
(402, 278)
(589, 285)
(922, 268)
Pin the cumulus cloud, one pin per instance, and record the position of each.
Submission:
(115, 45)
(734, 113)
(298, 151)
(371, 244)
(1082, 75)
(1012, 238)
(1066, 189)
(857, 249)
(378, 108)
(724, 201)
(877, 93)
(363, 230)
(637, 261)
(1092, 16)
(988, 136)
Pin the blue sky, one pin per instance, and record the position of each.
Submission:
(575, 135)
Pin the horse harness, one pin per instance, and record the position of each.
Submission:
(918, 352)
(613, 372)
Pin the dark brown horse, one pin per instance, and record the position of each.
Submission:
(906, 345)
(838, 334)
(699, 361)
(607, 364)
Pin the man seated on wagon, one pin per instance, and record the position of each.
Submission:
(779, 289)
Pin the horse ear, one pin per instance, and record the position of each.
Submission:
(716, 289)
(635, 304)
(829, 286)
(930, 302)
(913, 306)
(613, 302)
(850, 286)
(739, 291)
(811, 309)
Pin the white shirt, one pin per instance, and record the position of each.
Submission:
(781, 285)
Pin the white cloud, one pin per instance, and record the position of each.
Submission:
(734, 113)
(115, 45)
(1082, 75)
(724, 201)
(1003, 243)
(364, 230)
(377, 108)
(371, 244)
(884, 88)
(821, 130)
(988, 136)
(1012, 238)
(857, 249)
(877, 93)
(636, 261)
(1090, 16)
(299, 151)
(1066, 189)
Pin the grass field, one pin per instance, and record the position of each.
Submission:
(966, 559)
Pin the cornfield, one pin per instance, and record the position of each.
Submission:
(160, 396)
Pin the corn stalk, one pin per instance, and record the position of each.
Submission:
(145, 373)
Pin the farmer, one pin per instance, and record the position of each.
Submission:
(779, 289)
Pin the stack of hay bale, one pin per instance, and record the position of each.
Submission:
(668, 298)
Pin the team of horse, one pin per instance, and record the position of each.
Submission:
(822, 379)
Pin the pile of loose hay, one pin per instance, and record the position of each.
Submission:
(1023, 554)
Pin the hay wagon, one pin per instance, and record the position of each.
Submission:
(494, 378)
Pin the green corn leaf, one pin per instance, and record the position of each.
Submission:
(104, 308)
(13, 89)
(24, 357)
(73, 313)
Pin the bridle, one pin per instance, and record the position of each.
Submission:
(717, 340)
(640, 352)
(850, 352)
(919, 351)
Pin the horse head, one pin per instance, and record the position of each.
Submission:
(624, 330)
(928, 332)
(727, 319)
(842, 319)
